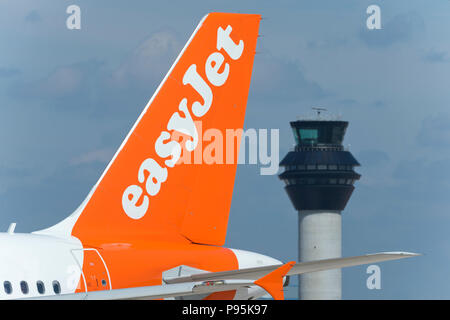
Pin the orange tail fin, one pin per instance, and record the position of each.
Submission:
(146, 190)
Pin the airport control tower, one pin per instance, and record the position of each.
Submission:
(319, 176)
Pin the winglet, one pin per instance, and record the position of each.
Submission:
(273, 282)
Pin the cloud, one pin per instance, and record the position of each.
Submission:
(149, 62)
(347, 101)
(435, 131)
(8, 72)
(378, 104)
(280, 80)
(423, 180)
(397, 30)
(434, 56)
(272, 78)
(328, 44)
(13, 176)
(96, 87)
(101, 156)
(42, 201)
(6, 172)
(90, 84)
(33, 17)
(350, 102)
(64, 82)
(372, 158)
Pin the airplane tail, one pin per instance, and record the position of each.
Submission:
(163, 182)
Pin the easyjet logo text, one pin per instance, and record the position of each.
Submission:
(169, 149)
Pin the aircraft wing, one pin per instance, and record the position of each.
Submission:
(210, 282)
(298, 268)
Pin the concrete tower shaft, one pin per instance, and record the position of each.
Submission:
(320, 237)
(319, 176)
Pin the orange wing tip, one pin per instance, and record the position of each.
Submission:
(273, 282)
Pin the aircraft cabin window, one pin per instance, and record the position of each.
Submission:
(104, 282)
(56, 287)
(8, 287)
(24, 287)
(40, 287)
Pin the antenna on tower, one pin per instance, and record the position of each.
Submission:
(318, 110)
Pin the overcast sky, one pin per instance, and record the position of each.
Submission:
(68, 98)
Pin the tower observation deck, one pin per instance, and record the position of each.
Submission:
(319, 179)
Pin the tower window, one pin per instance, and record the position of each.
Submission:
(297, 140)
(322, 167)
(308, 136)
